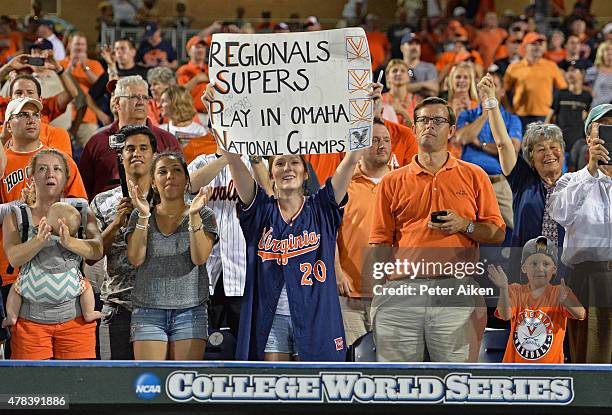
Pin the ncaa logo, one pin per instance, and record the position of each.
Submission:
(147, 386)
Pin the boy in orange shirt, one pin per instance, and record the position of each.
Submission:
(537, 311)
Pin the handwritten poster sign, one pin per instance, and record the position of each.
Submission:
(292, 93)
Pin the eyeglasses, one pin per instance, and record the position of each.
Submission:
(436, 120)
(144, 98)
(26, 115)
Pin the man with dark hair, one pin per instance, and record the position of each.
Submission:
(572, 46)
(112, 210)
(28, 86)
(580, 203)
(569, 110)
(435, 201)
(424, 76)
(154, 50)
(120, 62)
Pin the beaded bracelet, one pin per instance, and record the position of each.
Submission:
(142, 227)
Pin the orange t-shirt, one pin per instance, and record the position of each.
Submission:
(79, 74)
(403, 148)
(533, 86)
(487, 42)
(184, 74)
(537, 326)
(205, 144)
(355, 230)
(324, 165)
(379, 46)
(15, 180)
(556, 56)
(51, 109)
(407, 197)
(407, 105)
(53, 137)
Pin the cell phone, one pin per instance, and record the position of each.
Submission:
(435, 216)
(35, 61)
(605, 133)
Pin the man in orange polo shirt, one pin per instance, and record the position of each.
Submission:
(23, 122)
(355, 292)
(489, 39)
(86, 72)
(406, 316)
(194, 74)
(532, 79)
(50, 136)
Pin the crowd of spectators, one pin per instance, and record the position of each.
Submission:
(489, 121)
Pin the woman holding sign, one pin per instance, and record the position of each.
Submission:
(291, 309)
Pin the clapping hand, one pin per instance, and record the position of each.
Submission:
(200, 200)
(64, 233)
(44, 230)
(139, 201)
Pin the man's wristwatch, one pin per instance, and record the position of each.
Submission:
(470, 228)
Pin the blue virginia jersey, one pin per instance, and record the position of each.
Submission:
(299, 254)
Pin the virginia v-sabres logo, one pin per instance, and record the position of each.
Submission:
(533, 335)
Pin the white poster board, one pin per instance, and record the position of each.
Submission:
(292, 93)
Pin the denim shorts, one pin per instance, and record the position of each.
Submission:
(281, 339)
(169, 325)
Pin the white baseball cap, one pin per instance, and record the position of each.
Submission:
(16, 105)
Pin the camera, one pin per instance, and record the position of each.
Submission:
(116, 141)
(35, 61)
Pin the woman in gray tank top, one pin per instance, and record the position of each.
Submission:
(169, 243)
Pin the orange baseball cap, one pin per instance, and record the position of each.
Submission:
(532, 37)
(194, 41)
(462, 56)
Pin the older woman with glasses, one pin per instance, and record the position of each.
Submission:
(532, 175)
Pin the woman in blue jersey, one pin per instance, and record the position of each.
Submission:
(291, 309)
